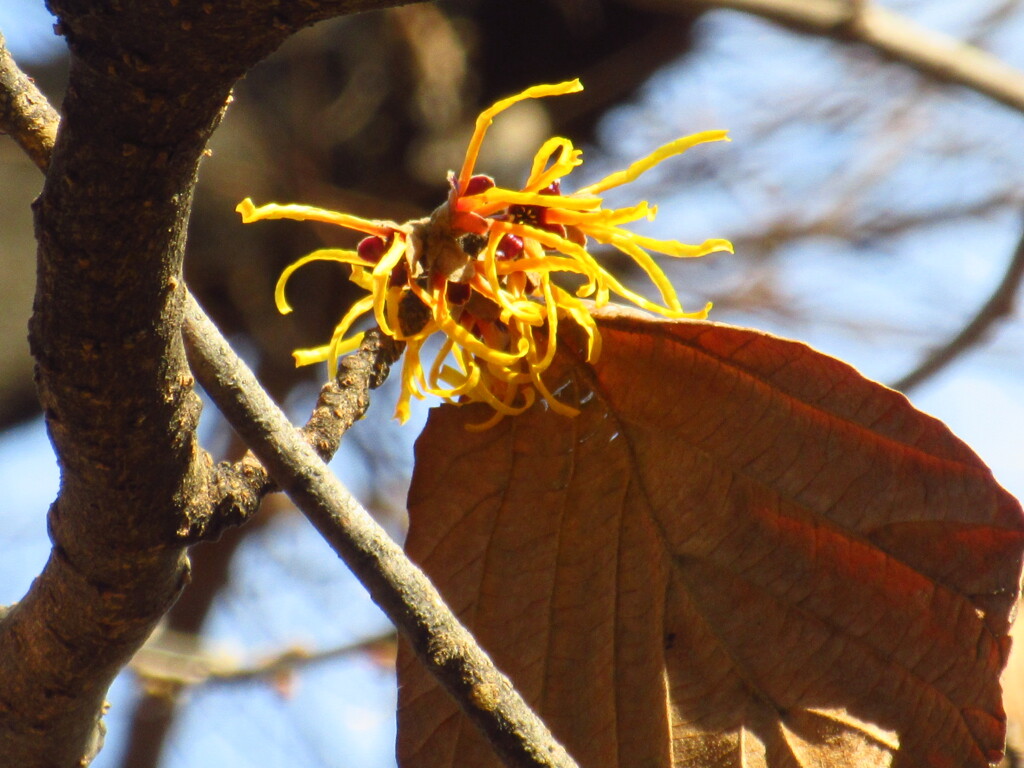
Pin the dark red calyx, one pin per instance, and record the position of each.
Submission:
(371, 248)
(525, 214)
(510, 246)
(534, 216)
(457, 293)
(399, 275)
(478, 184)
(437, 280)
(553, 227)
(554, 188)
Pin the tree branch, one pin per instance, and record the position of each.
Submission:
(237, 488)
(166, 667)
(999, 305)
(234, 491)
(400, 588)
(148, 83)
(893, 35)
(25, 113)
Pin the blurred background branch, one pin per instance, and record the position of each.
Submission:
(171, 661)
(892, 34)
(1000, 305)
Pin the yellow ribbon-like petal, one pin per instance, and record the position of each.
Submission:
(483, 122)
(339, 347)
(498, 199)
(500, 316)
(541, 174)
(251, 213)
(324, 254)
(663, 152)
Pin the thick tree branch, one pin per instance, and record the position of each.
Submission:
(999, 305)
(401, 589)
(25, 113)
(893, 35)
(147, 85)
(237, 488)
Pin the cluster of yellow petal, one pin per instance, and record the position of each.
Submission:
(480, 271)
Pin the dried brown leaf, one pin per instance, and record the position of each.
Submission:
(741, 553)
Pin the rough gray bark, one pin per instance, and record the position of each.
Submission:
(148, 83)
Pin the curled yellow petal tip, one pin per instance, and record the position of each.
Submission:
(482, 269)
(310, 356)
(246, 208)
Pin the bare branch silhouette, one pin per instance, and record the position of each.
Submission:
(999, 305)
(891, 34)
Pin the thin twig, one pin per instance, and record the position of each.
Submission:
(237, 488)
(166, 666)
(999, 305)
(399, 587)
(25, 113)
(843, 224)
(897, 37)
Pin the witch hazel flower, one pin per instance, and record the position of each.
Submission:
(485, 271)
